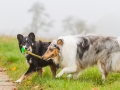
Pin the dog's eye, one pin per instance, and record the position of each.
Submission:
(51, 49)
(55, 46)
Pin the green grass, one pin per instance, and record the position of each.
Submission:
(15, 63)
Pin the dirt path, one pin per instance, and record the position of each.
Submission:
(5, 82)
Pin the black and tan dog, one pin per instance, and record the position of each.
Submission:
(36, 47)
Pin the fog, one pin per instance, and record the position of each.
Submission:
(104, 15)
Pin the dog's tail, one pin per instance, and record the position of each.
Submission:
(118, 40)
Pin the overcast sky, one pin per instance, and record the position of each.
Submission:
(103, 14)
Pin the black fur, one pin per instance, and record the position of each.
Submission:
(82, 47)
(39, 48)
(97, 51)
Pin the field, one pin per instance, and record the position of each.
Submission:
(15, 63)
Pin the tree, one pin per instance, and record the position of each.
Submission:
(40, 19)
(75, 26)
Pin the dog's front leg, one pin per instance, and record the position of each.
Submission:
(29, 72)
(66, 70)
(53, 69)
(21, 78)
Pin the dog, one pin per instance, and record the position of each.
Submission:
(74, 53)
(36, 47)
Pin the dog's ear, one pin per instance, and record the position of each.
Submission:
(32, 36)
(19, 37)
(60, 42)
(41, 43)
(49, 43)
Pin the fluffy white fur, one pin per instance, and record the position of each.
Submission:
(68, 54)
(81, 51)
(118, 39)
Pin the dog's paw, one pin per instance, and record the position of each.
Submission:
(18, 81)
(69, 76)
(58, 75)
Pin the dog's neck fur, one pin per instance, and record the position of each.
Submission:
(37, 48)
(59, 60)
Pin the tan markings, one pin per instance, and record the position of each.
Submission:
(53, 69)
(21, 45)
(51, 53)
(39, 70)
(23, 77)
(60, 42)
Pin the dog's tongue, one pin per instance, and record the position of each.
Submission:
(23, 50)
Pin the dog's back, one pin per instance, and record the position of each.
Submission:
(91, 48)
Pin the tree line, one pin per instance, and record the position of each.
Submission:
(42, 21)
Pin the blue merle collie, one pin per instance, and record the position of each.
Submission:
(36, 47)
(76, 53)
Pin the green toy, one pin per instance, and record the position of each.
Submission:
(23, 50)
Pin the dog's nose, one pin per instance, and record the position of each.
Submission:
(26, 48)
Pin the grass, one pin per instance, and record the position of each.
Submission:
(15, 63)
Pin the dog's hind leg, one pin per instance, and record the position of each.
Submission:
(53, 69)
(77, 74)
(102, 69)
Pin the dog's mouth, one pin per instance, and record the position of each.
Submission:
(29, 49)
(50, 57)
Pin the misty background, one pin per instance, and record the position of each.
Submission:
(53, 18)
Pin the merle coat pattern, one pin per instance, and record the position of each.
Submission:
(77, 52)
